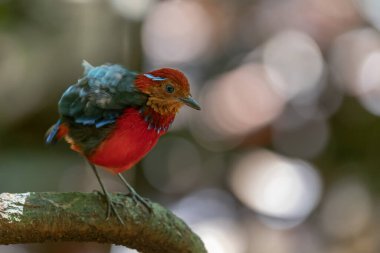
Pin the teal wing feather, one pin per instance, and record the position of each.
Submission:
(101, 95)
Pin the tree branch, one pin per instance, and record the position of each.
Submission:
(49, 216)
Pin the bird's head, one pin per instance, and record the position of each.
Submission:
(167, 89)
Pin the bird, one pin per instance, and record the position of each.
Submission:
(113, 117)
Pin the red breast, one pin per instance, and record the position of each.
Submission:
(127, 144)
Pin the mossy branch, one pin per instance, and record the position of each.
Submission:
(50, 216)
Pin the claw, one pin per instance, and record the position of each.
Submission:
(135, 196)
(140, 200)
(111, 207)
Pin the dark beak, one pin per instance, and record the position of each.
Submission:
(189, 101)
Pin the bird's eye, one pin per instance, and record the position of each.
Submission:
(169, 88)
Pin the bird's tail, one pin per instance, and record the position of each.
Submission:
(56, 132)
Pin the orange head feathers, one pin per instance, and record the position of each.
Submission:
(168, 89)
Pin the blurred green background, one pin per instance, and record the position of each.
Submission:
(284, 156)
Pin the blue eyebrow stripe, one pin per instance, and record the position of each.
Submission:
(154, 78)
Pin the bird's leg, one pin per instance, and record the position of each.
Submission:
(110, 205)
(134, 195)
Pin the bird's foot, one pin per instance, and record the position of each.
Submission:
(110, 207)
(140, 200)
(135, 196)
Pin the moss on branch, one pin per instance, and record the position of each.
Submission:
(50, 216)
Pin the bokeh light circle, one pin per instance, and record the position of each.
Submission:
(347, 210)
(294, 63)
(132, 9)
(237, 103)
(276, 186)
(176, 32)
(369, 83)
(174, 166)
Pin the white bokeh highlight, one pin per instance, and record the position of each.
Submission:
(276, 186)
(294, 63)
(176, 32)
(369, 83)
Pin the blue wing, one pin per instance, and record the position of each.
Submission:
(101, 95)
